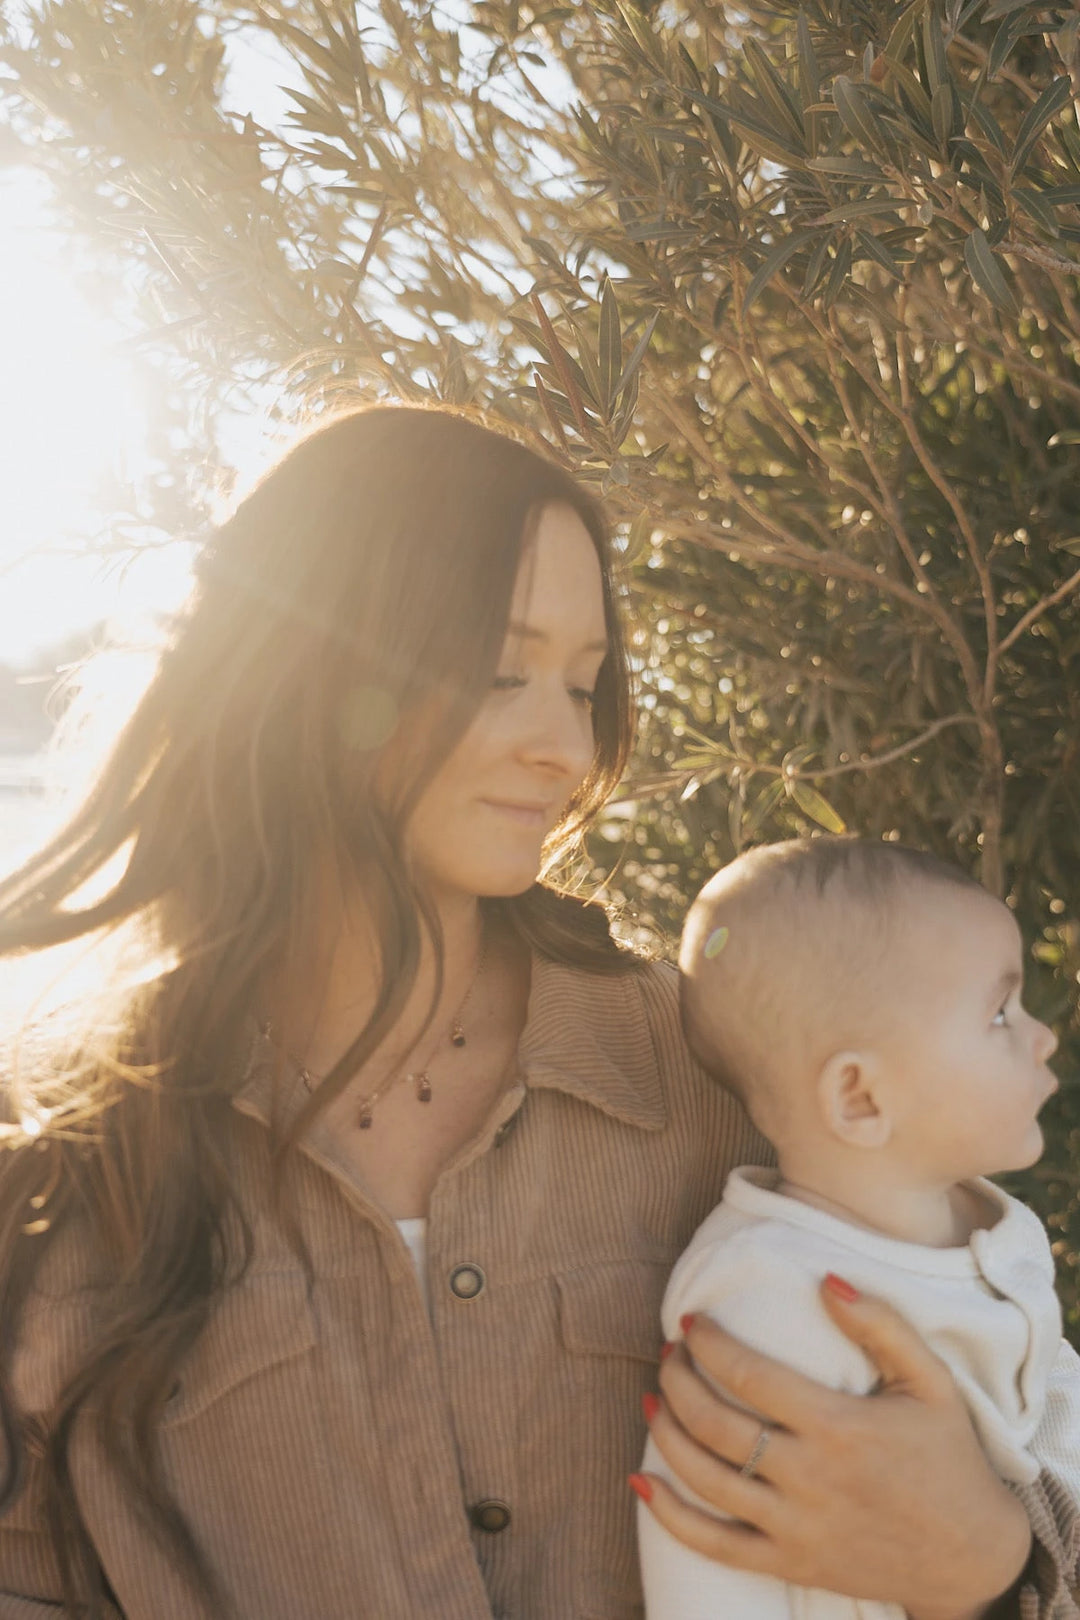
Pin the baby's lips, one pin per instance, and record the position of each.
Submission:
(1051, 1083)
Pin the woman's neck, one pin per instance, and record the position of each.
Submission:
(319, 1008)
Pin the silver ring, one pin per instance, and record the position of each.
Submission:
(749, 1467)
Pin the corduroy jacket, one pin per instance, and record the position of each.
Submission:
(338, 1453)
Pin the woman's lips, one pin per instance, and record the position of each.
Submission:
(521, 811)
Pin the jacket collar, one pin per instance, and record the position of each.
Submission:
(585, 1034)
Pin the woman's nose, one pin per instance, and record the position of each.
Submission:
(561, 738)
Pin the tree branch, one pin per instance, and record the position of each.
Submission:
(1035, 613)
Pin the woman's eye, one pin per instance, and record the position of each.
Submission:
(999, 1020)
(581, 695)
(507, 683)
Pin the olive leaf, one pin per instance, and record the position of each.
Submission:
(985, 268)
(1050, 102)
(815, 805)
(762, 808)
(610, 346)
(809, 73)
(775, 260)
(858, 120)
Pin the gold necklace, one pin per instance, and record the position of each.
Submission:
(420, 1078)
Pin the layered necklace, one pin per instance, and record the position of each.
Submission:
(419, 1079)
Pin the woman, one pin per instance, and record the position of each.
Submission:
(334, 1228)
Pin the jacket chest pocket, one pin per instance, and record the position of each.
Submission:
(258, 1341)
(243, 1443)
(613, 1309)
(610, 1327)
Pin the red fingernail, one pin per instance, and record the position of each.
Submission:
(650, 1405)
(843, 1290)
(686, 1322)
(641, 1486)
(665, 1349)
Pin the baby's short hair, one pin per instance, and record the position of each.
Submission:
(783, 948)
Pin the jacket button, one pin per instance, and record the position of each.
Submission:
(491, 1516)
(466, 1282)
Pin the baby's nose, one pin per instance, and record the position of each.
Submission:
(1047, 1043)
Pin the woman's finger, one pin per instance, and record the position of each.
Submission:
(906, 1363)
(725, 1540)
(720, 1429)
(720, 1485)
(780, 1394)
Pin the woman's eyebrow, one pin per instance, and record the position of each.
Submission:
(529, 632)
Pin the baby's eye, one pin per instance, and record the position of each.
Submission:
(1000, 1020)
(507, 683)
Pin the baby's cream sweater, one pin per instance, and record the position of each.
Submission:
(988, 1310)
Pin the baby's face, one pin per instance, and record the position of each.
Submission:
(968, 1065)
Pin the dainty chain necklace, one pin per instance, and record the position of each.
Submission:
(419, 1079)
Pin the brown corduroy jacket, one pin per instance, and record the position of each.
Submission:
(339, 1454)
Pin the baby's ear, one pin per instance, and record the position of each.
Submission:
(851, 1100)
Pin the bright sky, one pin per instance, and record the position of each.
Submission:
(72, 420)
(70, 414)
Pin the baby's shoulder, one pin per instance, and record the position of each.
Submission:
(760, 1278)
(730, 1245)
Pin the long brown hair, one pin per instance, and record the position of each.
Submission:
(365, 578)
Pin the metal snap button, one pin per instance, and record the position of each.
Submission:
(466, 1282)
(490, 1515)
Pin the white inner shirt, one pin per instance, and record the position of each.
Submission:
(414, 1231)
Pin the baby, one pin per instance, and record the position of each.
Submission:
(863, 1000)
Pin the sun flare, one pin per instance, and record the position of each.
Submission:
(72, 421)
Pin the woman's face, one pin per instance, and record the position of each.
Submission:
(480, 824)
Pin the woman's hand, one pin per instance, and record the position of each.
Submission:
(886, 1497)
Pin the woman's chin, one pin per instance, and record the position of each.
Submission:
(500, 873)
(487, 881)
(505, 886)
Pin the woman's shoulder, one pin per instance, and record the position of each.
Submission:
(654, 984)
(636, 995)
(657, 982)
(639, 1000)
(630, 1020)
(697, 1104)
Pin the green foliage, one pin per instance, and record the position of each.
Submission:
(798, 290)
